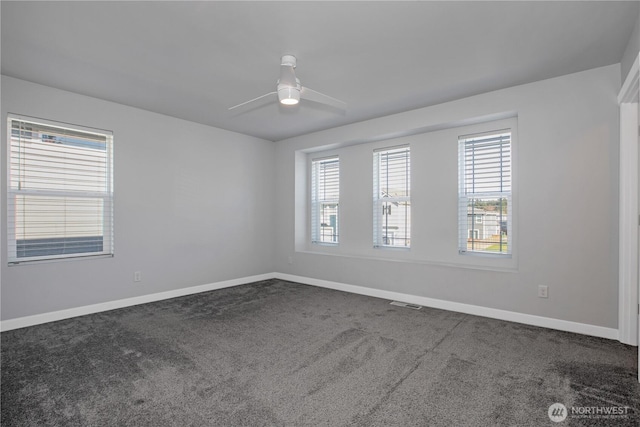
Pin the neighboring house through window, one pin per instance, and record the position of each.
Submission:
(325, 200)
(60, 191)
(484, 209)
(391, 197)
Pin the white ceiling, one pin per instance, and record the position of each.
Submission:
(193, 60)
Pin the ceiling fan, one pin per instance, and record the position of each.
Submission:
(290, 91)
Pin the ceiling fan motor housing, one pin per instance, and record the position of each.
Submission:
(288, 93)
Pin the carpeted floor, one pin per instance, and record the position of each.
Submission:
(277, 353)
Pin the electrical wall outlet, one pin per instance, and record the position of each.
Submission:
(543, 291)
(290, 260)
(137, 276)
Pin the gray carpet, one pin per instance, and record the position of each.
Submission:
(277, 353)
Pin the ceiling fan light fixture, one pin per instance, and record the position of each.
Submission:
(289, 95)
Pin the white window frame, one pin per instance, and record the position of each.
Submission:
(465, 195)
(380, 239)
(13, 190)
(319, 203)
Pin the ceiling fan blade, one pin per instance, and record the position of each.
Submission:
(312, 95)
(252, 100)
(287, 76)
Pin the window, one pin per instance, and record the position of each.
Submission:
(391, 198)
(60, 191)
(325, 200)
(484, 196)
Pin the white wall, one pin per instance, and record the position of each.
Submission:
(631, 51)
(567, 190)
(193, 205)
(184, 190)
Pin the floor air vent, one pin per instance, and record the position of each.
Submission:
(406, 305)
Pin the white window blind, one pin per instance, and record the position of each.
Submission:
(325, 200)
(484, 195)
(60, 191)
(391, 197)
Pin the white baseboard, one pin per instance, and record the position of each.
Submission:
(494, 313)
(511, 316)
(22, 322)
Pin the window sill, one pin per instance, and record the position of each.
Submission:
(436, 263)
(392, 248)
(328, 244)
(56, 260)
(484, 254)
